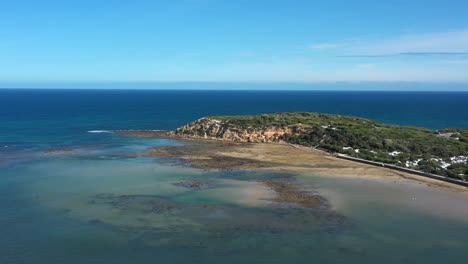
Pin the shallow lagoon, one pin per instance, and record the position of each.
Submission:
(104, 205)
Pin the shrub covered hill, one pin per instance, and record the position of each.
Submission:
(442, 152)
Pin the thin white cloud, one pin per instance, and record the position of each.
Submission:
(430, 44)
(452, 41)
(448, 43)
(420, 54)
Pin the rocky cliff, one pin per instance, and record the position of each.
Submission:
(215, 129)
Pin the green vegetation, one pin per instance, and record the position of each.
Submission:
(367, 139)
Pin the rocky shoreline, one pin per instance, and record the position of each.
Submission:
(212, 131)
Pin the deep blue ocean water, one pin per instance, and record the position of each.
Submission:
(34, 117)
(60, 208)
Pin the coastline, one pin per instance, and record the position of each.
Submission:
(220, 154)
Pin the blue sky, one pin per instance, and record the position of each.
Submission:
(140, 41)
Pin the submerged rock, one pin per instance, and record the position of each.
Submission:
(61, 151)
(95, 222)
(153, 220)
(291, 194)
(192, 184)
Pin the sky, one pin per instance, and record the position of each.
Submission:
(89, 43)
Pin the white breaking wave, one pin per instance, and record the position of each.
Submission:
(110, 131)
(99, 131)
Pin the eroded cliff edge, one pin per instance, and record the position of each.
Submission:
(211, 128)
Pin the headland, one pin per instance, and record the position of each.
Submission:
(306, 143)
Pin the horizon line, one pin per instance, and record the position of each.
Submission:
(235, 90)
(245, 86)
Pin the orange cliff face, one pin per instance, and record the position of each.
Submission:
(215, 129)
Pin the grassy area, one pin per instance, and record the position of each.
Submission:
(367, 139)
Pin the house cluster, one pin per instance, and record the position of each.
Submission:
(459, 159)
(412, 163)
(453, 160)
(333, 128)
(355, 150)
(442, 163)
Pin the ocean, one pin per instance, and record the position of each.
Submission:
(93, 207)
(37, 117)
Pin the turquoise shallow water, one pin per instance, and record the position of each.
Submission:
(104, 205)
(109, 207)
